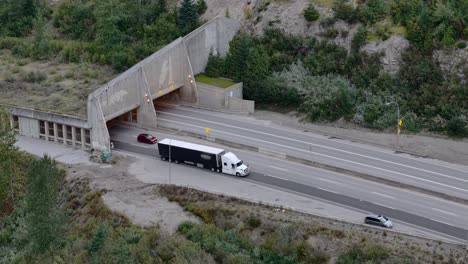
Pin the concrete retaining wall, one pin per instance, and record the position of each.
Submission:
(51, 127)
(50, 117)
(240, 105)
(211, 96)
(224, 99)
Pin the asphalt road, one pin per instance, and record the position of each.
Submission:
(419, 172)
(432, 213)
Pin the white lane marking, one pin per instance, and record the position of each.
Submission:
(442, 211)
(326, 190)
(322, 179)
(281, 169)
(319, 137)
(384, 195)
(317, 145)
(384, 205)
(327, 156)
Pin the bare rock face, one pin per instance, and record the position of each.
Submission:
(235, 9)
(392, 49)
(454, 63)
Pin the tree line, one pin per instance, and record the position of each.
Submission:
(116, 32)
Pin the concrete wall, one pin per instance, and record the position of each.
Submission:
(54, 126)
(214, 35)
(224, 99)
(46, 116)
(240, 105)
(211, 96)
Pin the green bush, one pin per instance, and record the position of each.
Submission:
(201, 7)
(457, 127)
(376, 252)
(311, 14)
(359, 38)
(345, 11)
(352, 256)
(461, 44)
(23, 49)
(411, 122)
(372, 11)
(327, 97)
(254, 222)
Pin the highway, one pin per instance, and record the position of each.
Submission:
(421, 210)
(383, 163)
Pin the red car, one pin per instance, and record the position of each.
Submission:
(146, 138)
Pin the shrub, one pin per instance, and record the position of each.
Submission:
(90, 73)
(372, 11)
(23, 49)
(311, 14)
(359, 39)
(461, 45)
(354, 255)
(376, 252)
(344, 11)
(122, 59)
(329, 33)
(97, 242)
(327, 97)
(185, 227)
(35, 76)
(254, 222)
(457, 127)
(201, 7)
(327, 21)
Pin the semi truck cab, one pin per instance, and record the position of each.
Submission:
(232, 165)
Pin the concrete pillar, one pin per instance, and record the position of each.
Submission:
(64, 129)
(82, 138)
(55, 132)
(12, 122)
(73, 136)
(146, 114)
(46, 127)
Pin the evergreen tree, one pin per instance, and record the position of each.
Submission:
(187, 18)
(201, 7)
(237, 57)
(41, 48)
(258, 64)
(7, 149)
(42, 204)
(214, 67)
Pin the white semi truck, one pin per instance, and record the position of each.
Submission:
(215, 159)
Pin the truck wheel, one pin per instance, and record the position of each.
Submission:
(213, 169)
(238, 174)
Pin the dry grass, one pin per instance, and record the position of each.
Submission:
(330, 236)
(49, 85)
